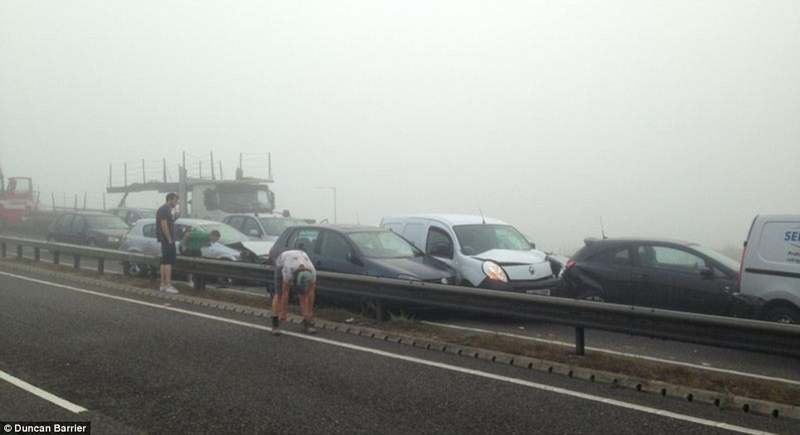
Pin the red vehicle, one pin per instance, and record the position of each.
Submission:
(16, 200)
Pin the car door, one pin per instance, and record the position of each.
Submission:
(149, 243)
(650, 284)
(78, 233)
(234, 221)
(611, 270)
(687, 282)
(251, 228)
(336, 254)
(62, 228)
(305, 239)
(695, 285)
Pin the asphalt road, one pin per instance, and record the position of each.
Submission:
(141, 365)
(698, 356)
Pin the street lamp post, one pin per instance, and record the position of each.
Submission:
(332, 189)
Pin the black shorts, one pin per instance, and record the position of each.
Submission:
(168, 254)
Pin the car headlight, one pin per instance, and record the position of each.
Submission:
(113, 240)
(494, 272)
(445, 280)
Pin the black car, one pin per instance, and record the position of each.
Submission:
(362, 250)
(657, 273)
(88, 228)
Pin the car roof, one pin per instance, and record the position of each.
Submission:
(629, 240)
(451, 219)
(134, 208)
(259, 215)
(778, 217)
(185, 221)
(342, 228)
(89, 213)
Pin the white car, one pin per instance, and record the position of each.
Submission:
(770, 267)
(484, 252)
(232, 246)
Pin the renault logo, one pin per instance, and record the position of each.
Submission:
(532, 270)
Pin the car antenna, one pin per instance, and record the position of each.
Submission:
(602, 229)
(483, 218)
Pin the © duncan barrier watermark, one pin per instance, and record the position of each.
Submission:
(36, 427)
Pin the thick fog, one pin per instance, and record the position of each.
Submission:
(675, 119)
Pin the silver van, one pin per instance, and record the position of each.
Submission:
(770, 267)
(484, 252)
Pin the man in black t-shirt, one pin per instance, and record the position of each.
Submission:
(165, 233)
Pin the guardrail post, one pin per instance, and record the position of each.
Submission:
(380, 311)
(3, 249)
(101, 265)
(580, 341)
(19, 251)
(76, 261)
(37, 254)
(56, 257)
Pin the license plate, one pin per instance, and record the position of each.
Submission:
(540, 292)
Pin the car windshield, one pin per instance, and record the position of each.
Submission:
(383, 244)
(106, 222)
(228, 234)
(274, 226)
(476, 239)
(718, 257)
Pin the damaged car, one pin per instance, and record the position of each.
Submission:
(664, 274)
(232, 245)
(485, 252)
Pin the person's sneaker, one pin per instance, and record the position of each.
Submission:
(171, 289)
(308, 327)
(161, 288)
(275, 328)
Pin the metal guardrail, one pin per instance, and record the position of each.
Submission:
(744, 334)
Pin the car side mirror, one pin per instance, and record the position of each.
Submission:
(533, 245)
(351, 257)
(707, 273)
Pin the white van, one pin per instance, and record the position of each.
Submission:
(770, 266)
(484, 252)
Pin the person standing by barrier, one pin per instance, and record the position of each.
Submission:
(165, 233)
(194, 240)
(294, 271)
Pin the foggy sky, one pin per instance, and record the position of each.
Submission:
(674, 119)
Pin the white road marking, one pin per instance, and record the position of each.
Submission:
(69, 406)
(478, 373)
(625, 354)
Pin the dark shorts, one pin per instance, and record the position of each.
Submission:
(168, 254)
(299, 285)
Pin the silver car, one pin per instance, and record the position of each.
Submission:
(262, 227)
(232, 246)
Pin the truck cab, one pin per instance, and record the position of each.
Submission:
(214, 201)
(16, 200)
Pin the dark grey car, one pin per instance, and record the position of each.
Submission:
(88, 228)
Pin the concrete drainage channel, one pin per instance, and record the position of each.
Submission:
(694, 395)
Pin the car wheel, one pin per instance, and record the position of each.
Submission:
(783, 314)
(137, 270)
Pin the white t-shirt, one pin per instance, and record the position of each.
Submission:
(289, 261)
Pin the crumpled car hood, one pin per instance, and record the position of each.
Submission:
(507, 256)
